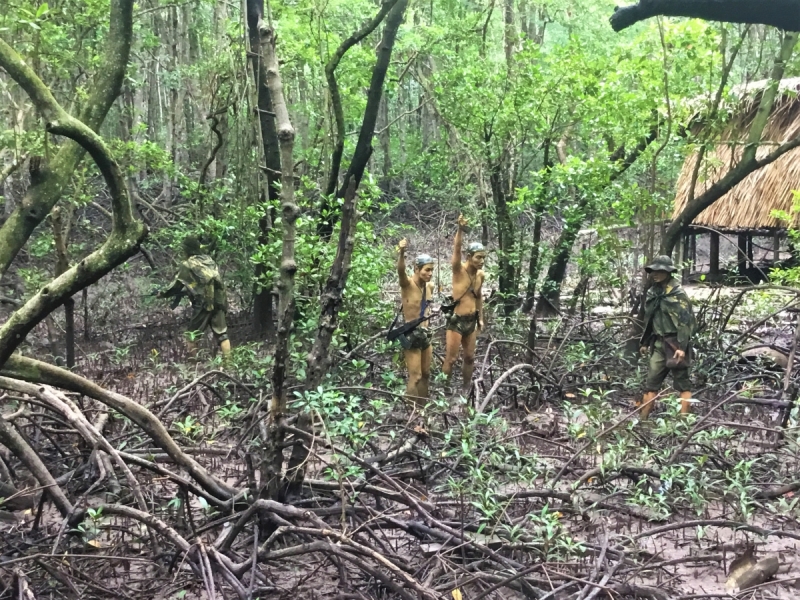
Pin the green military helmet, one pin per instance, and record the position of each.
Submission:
(422, 260)
(474, 248)
(661, 263)
(191, 245)
(208, 243)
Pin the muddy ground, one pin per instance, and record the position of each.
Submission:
(554, 491)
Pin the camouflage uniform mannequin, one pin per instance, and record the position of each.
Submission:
(668, 314)
(199, 279)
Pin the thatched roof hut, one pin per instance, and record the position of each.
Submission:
(748, 206)
(746, 209)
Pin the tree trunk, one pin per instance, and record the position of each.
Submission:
(263, 311)
(533, 265)
(152, 87)
(363, 150)
(538, 208)
(127, 112)
(171, 145)
(684, 258)
(188, 89)
(217, 145)
(509, 32)
(386, 148)
(783, 14)
(9, 166)
(61, 220)
(506, 239)
(579, 295)
(289, 213)
(549, 298)
(87, 325)
(336, 98)
(319, 358)
(104, 89)
(531, 341)
(539, 31)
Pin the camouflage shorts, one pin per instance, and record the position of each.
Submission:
(463, 324)
(658, 371)
(420, 339)
(202, 318)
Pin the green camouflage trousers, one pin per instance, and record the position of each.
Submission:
(420, 339)
(658, 372)
(463, 324)
(202, 318)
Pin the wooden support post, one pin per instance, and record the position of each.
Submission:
(714, 252)
(685, 257)
(693, 250)
(741, 254)
(776, 248)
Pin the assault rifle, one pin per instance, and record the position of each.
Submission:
(399, 333)
(176, 298)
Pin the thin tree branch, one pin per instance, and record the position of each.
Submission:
(335, 96)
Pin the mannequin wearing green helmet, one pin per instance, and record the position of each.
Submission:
(669, 326)
(415, 294)
(466, 320)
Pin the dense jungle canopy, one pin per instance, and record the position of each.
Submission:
(297, 142)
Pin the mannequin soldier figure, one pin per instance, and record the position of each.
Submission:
(199, 279)
(669, 324)
(416, 293)
(466, 320)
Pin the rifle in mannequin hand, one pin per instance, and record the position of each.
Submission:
(399, 333)
(176, 298)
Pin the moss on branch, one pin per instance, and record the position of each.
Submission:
(103, 91)
(127, 232)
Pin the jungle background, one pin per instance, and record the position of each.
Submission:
(305, 138)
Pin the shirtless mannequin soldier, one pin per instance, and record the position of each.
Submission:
(416, 294)
(467, 318)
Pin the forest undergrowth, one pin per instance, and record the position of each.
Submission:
(296, 142)
(542, 483)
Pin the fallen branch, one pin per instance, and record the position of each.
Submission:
(499, 382)
(28, 369)
(75, 417)
(23, 591)
(12, 440)
(360, 549)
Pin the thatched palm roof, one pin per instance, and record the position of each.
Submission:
(749, 204)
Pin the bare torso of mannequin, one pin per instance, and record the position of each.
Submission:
(467, 321)
(411, 298)
(412, 291)
(467, 283)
